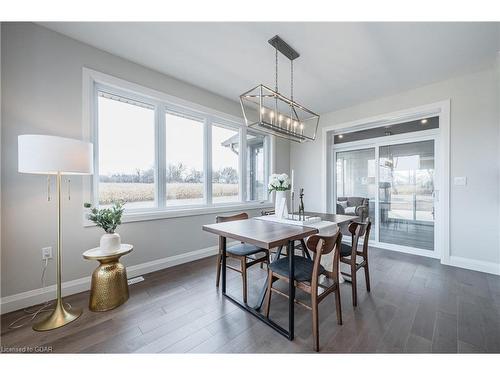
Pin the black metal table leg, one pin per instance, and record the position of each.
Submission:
(254, 311)
(223, 242)
(291, 289)
(304, 249)
(263, 291)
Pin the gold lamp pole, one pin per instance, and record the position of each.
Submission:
(44, 154)
(60, 316)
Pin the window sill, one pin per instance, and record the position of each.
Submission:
(130, 217)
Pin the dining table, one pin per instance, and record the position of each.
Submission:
(269, 234)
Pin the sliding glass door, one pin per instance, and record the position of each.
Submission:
(392, 181)
(355, 183)
(406, 194)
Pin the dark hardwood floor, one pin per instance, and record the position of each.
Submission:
(416, 305)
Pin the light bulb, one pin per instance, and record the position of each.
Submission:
(280, 117)
(295, 124)
(301, 126)
(271, 114)
(262, 110)
(341, 136)
(288, 121)
(424, 121)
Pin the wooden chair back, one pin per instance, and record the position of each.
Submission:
(323, 245)
(360, 230)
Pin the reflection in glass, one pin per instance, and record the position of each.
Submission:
(406, 189)
(355, 175)
(256, 188)
(225, 149)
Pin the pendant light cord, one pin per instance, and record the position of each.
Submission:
(276, 70)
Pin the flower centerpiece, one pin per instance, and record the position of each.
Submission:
(279, 183)
(107, 219)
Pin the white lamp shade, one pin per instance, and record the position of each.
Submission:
(46, 154)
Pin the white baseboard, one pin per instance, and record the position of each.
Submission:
(40, 295)
(472, 264)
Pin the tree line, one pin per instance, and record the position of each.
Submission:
(174, 173)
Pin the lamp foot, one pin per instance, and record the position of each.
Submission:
(58, 318)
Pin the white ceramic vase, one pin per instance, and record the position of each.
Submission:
(110, 242)
(279, 196)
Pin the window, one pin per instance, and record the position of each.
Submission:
(157, 155)
(184, 160)
(126, 152)
(225, 157)
(256, 167)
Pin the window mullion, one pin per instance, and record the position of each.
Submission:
(243, 164)
(267, 165)
(207, 160)
(160, 185)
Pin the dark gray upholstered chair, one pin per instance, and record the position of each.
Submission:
(247, 254)
(356, 206)
(308, 280)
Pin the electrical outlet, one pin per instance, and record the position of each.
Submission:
(46, 253)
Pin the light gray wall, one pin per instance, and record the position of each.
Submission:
(42, 93)
(474, 219)
(0, 147)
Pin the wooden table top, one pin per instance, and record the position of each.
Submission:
(264, 234)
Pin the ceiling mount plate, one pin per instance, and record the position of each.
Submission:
(283, 47)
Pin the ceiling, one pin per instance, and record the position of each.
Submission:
(341, 64)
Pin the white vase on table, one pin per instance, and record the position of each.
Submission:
(278, 198)
(110, 242)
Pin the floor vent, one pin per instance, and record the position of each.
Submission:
(135, 280)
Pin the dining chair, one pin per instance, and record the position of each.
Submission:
(350, 253)
(301, 246)
(241, 252)
(307, 278)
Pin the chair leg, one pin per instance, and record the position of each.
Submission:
(244, 276)
(268, 293)
(338, 305)
(219, 265)
(354, 285)
(367, 276)
(267, 261)
(315, 327)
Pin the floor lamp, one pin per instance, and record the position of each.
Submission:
(50, 155)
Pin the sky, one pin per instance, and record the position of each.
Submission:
(126, 140)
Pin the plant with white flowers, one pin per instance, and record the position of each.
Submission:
(278, 182)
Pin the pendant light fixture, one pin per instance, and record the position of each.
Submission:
(274, 113)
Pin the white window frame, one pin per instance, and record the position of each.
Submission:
(94, 81)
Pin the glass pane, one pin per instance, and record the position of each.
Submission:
(225, 150)
(356, 187)
(126, 153)
(256, 189)
(406, 192)
(184, 166)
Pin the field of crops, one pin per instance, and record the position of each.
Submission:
(137, 192)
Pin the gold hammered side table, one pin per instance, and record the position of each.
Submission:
(109, 287)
